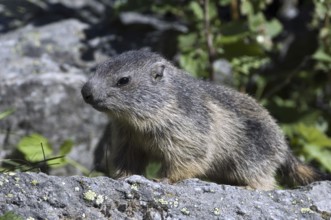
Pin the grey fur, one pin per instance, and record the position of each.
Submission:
(194, 128)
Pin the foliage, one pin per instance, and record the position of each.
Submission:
(30, 147)
(311, 142)
(321, 20)
(38, 152)
(11, 216)
(292, 80)
(5, 114)
(152, 170)
(37, 148)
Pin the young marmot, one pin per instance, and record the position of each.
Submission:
(194, 128)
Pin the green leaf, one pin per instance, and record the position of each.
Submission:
(322, 156)
(284, 102)
(273, 28)
(242, 49)
(30, 146)
(194, 62)
(66, 147)
(11, 216)
(321, 55)
(224, 2)
(186, 42)
(230, 39)
(256, 21)
(189, 65)
(313, 136)
(61, 160)
(197, 10)
(234, 28)
(212, 10)
(6, 113)
(321, 10)
(152, 170)
(246, 64)
(246, 8)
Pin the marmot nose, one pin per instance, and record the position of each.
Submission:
(87, 93)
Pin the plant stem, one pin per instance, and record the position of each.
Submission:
(234, 10)
(209, 39)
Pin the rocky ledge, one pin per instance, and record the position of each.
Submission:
(39, 196)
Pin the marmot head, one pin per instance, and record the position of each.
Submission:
(132, 83)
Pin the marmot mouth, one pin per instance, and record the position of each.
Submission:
(99, 105)
(100, 108)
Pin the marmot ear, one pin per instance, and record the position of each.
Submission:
(158, 71)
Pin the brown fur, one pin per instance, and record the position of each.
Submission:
(194, 128)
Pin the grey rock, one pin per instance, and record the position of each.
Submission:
(50, 104)
(40, 79)
(77, 4)
(223, 71)
(289, 9)
(323, 204)
(133, 30)
(14, 14)
(130, 18)
(40, 196)
(92, 12)
(55, 47)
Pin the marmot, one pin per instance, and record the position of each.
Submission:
(193, 127)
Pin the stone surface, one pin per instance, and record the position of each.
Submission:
(40, 79)
(40, 196)
(35, 50)
(130, 18)
(14, 14)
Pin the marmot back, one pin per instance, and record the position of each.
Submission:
(194, 128)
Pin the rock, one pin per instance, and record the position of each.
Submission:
(78, 4)
(41, 76)
(323, 204)
(38, 196)
(50, 104)
(14, 14)
(134, 30)
(223, 72)
(33, 50)
(131, 18)
(92, 12)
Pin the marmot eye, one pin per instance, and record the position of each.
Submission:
(122, 81)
